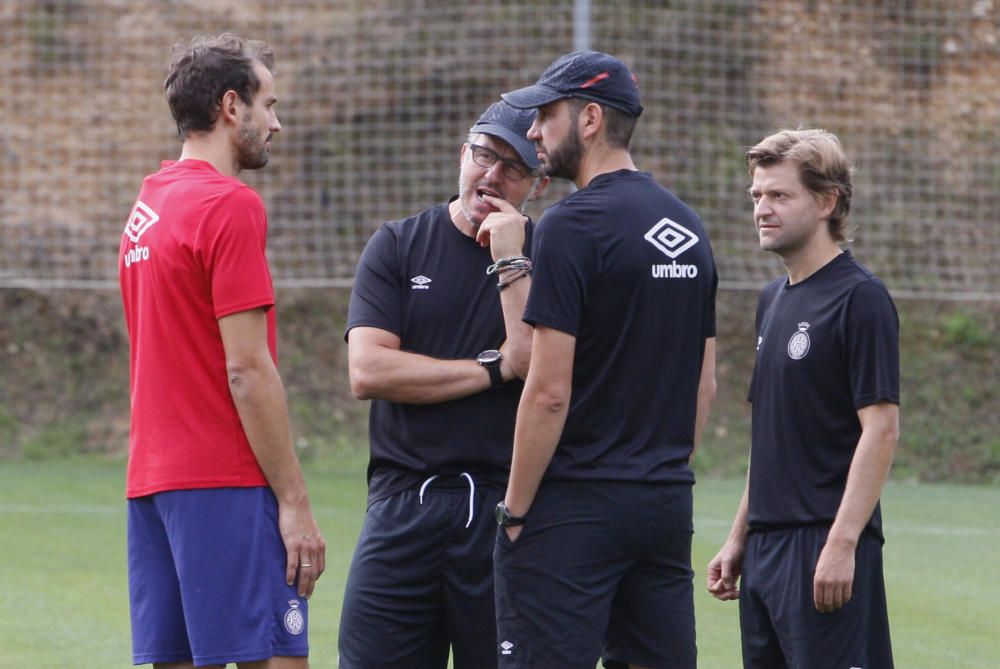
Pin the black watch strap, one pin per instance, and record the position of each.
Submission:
(496, 377)
(504, 517)
(490, 359)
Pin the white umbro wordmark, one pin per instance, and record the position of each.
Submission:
(506, 648)
(420, 283)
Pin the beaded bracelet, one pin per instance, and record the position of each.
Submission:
(505, 264)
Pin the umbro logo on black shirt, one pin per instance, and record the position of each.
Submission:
(672, 239)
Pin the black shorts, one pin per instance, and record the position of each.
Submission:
(421, 581)
(600, 570)
(780, 625)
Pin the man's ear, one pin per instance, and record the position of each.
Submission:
(590, 120)
(229, 106)
(828, 202)
(541, 183)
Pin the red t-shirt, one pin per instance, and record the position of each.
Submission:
(192, 252)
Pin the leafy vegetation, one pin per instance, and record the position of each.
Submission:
(64, 382)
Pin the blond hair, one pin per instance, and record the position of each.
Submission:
(823, 168)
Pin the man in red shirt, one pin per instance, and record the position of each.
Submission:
(223, 547)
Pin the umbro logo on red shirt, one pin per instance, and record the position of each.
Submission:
(140, 220)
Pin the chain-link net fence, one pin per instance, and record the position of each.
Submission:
(376, 97)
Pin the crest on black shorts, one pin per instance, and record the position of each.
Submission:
(798, 345)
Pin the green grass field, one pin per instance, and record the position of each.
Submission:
(63, 599)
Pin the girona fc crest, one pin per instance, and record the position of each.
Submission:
(295, 622)
(798, 345)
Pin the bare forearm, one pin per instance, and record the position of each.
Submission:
(865, 479)
(740, 527)
(541, 415)
(517, 348)
(539, 425)
(260, 400)
(707, 386)
(725, 568)
(409, 378)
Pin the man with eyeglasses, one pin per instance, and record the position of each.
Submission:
(436, 341)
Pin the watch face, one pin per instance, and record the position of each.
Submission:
(490, 357)
(504, 519)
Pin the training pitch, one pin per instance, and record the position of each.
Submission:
(64, 601)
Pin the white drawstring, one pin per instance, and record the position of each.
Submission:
(472, 494)
(424, 487)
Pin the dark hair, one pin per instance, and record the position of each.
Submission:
(203, 70)
(823, 168)
(618, 126)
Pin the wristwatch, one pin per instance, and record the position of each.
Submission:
(505, 519)
(490, 359)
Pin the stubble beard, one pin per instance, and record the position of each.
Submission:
(251, 150)
(471, 192)
(564, 161)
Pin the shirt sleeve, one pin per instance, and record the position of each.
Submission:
(565, 262)
(376, 295)
(234, 240)
(871, 345)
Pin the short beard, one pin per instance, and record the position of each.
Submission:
(461, 202)
(564, 162)
(251, 152)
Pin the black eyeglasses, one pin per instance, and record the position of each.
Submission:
(514, 170)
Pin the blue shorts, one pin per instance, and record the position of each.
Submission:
(601, 569)
(780, 626)
(206, 575)
(421, 581)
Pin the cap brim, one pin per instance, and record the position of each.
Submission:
(524, 147)
(532, 96)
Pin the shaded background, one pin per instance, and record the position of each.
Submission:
(375, 99)
(376, 96)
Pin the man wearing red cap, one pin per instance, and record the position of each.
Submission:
(594, 554)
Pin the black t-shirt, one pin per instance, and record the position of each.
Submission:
(423, 280)
(826, 347)
(626, 267)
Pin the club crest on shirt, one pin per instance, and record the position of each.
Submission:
(798, 345)
(295, 622)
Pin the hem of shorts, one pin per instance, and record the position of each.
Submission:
(155, 658)
(248, 656)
